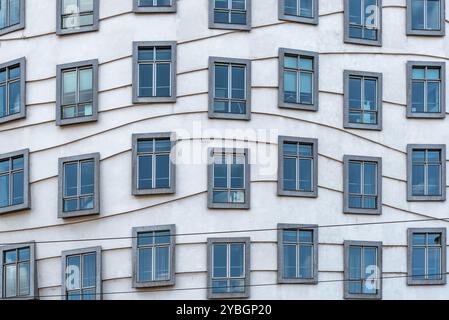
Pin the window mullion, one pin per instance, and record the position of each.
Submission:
(230, 96)
(153, 165)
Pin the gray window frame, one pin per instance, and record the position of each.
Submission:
(22, 114)
(442, 149)
(173, 69)
(77, 65)
(157, 283)
(229, 61)
(379, 246)
(233, 295)
(150, 136)
(379, 95)
(18, 26)
(316, 82)
(96, 23)
(281, 227)
(410, 280)
(68, 253)
(210, 179)
(26, 181)
(348, 39)
(154, 9)
(230, 26)
(79, 213)
(346, 208)
(280, 183)
(287, 17)
(426, 115)
(34, 292)
(435, 33)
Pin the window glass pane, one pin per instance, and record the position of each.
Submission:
(10, 281)
(433, 14)
(434, 238)
(17, 163)
(370, 177)
(69, 6)
(162, 171)
(163, 145)
(305, 150)
(10, 256)
(237, 176)
(86, 82)
(289, 261)
(306, 87)
(238, 17)
(70, 179)
(418, 14)
(290, 87)
(220, 173)
(355, 178)
(238, 82)
(73, 272)
(71, 205)
(220, 197)
(418, 73)
(355, 271)
(305, 262)
(221, 17)
(418, 263)
(221, 81)
(74, 295)
(69, 112)
(238, 4)
(69, 87)
(24, 254)
(89, 294)
(4, 191)
(3, 14)
(163, 80)
(433, 156)
(237, 196)
(219, 261)
(355, 93)
(145, 146)
(24, 278)
(14, 97)
(146, 54)
(14, 72)
(163, 54)
(145, 265)
(86, 20)
(87, 177)
(370, 263)
(237, 260)
(219, 286)
(290, 148)
(289, 174)
(162, 237)
(86, 203)
(305, 175)
(419, 155)
(305, 236)
(434, 263)
(418, 180)
(86, 5)
(4, 165)
(3, 107)
(221, 4)
(434, 178)
(355, 12)
(433, 73)
(290, 236)
(370, 102)
(419, 239)
(17, 190)
(306, 8)
(291, 7)
(145, 238)
(89, 270)
(306, 63)
(162, 263)
(291, 62)
(433, 97)
(145, 172)
(145, 80)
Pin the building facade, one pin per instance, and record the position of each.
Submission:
(195, 149)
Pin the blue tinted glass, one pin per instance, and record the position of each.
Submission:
(418, 263)
(290, 87)
(17, 190)
(145, 172)
(221, 81)
(355, 12)
(355, 177)
(238, 82)
(146, 54)
(14, 97)
(369, 179)
(290, 236)
(305, 236)
(87, 177)
(145, 146)
(418, 14)
(289, 174)
(220, 175)
(433, 97)
(238, 4)
(89, 270)
(70, 205)
(305, 262)
(70, 179)
(145, 238)
(306, 85)
(162, 171)
(10, 256)
(418, 180)
(434, 180)
(3, 107)
(162, 237)
(221, 17)
(14, 72)
(145, 80)
(86, 203)
(355, 93)
(237, 264)
(163, 145)
(162, 263)
(163, 80)
(237, 176)
(238, 17)
(4, 191)
(163, 54)
(219, 260)
(370, 102)
(434, 263)
(306, 8)
(145, 264)
(305, 175)
(291, 7)
(433, 14)
(355, 267)
(289, 261)
(221, 4)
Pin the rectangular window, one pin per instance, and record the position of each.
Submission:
(12, 15)
(426, 172)
(297, 253)
(298, 167)
(426, 89)
(154, 256)
(79, 185)
(14, 181)
(228, 267)
(12, 90)
(298, 79)
(229, 88)
(363, 100)
(426, 256)
(305, 11)
(154, 72)
(363, 270)
(426, 17)
(230, 14)
(18, 269)
(74, 16)
(77, 92)
(228, 176)
(142, 6)
(82, 273)
(363, 185)
(153, 165)
(363, 22)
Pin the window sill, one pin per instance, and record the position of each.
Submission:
(62, 32)
(79, 213)
(158, 191)
(226, 26)
(15, 208)
(152, 284)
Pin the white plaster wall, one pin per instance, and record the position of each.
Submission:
(118, 119)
